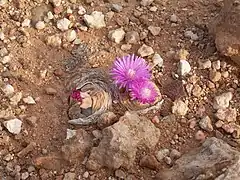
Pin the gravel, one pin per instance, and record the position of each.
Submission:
(40, 25)
(184, 68)
(29, 100)
(222, 101)
(179, 108)
(145, 50)
(63, 24)
(206, 124)
(14, 126)
(95, 20)
(116, 35)
(132, 37)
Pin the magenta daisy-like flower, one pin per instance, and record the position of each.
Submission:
(144, 92)
(129, 69)
(76, 95)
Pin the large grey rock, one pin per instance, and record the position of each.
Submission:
(76, 147)
(214, 159)
(120, 141)
(226, 28)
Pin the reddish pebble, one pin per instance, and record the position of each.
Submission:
(155, 119)
(200, 136)
(192, 123)
(58, 10)
(58, 72)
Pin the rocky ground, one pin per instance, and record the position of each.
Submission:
(190, 46)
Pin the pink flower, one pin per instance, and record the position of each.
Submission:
(129, 69)
(76, 95)
(144, 91)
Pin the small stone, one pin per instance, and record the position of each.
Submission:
(227, 115)
(70, 35)
(5, 59)
(145, 50)
(179, 108)
(71, 133)
(2, 36)
(29, 100)
(132, 37)
(210, 85)
(32, 121)
(69, 176)
(3, 52)
(54, 41)
(26, 23)
(206, 124)
(197, 91)
(3, 2)
(120, 174)
(31, 169)
(116, 8)
(44, 151)
(175, 154)
(200, 136)
(81, 10)
(56, 3)
(155, 120)
(191, 35)
(50, 91)
(14, 100)
(122, 20)
(153, 9)
(205, 65)
(184, 68)
(168, 160)
(222, 101)
(192, 123)
(126, 47)
(225, 74)
(86, 174)
(161, 154)
(8, 157)
(14, 126)
(95, 20)
(50, 15)
(215, 76)
(8, 89)
(216, 65)
(143, 35)
(63, 24)
(146, 2)
(24, 175)
(219, 124)
(173, 18)
(228, 128)
(116, 35)
(149, 161)
(189, 88)
(154, 30)
(157, 60)
(40, 25)
(109, 15)
(77, 41)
